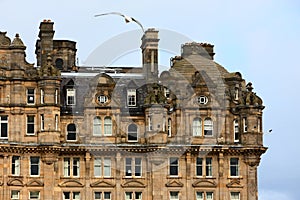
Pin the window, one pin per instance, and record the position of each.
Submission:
(149, 123)
(131, 97)
(56, 96)
(107, 126)
(42, 122)
(133, 167)
(56, 122)
(173, 166)
(34, 166)
(15, 194)
(169, 127)
(174, 195)
(71, 195)
(208, 127)
(15, 165)
(236, 130)
(97, 131)
(259, 124)
(132, 133)
(200, 165)
(204, 195)
(71, 132)
(197, 127)
(133, 195)
(234, 167)
(30, 96)
(71, 167)
(101, 99)
(202, 100)
(245, 124)
(34, 195)
(71, 94)
(59, 63)
(30, 125)
(102, 195)
(234, 196)
(42, 96)
(167, 92)
(208, 167)
(102, 167)
(4, 127)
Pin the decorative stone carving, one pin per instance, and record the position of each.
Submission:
(49, 69)
(4, 40)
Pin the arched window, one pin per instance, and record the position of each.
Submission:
(71, 132)
(236, 130)
(107, 126)
(197, 127)
(208, 127)
(132, 133)
(97, 127)
(59, 63)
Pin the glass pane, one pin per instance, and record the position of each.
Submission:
(97, 195)
(199, 196)
(107, 196)
(209, 195)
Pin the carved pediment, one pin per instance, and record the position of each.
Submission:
(15, 182)
(71, 183)
(234, 183)
(174, 183)
(35, 183)
(102, 183)
(205, 183)
(134, 183)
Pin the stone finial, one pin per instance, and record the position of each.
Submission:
(18, 43)
(4, 40)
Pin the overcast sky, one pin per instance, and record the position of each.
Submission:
(258, 38)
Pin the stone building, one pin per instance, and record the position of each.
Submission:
(75, 132)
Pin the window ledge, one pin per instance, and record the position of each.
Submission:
(204, 177)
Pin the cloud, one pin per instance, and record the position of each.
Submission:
(273, 195)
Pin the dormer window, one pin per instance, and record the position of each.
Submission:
(131, 97)
(132, 133)
(71, 93)
(102, 99)
(71, 132)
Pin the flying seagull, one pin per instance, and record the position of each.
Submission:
(127, 18)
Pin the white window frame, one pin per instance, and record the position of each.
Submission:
(31, 164)
(97, 126)
(102, 195)
(174, 195)
(197, 126)
(233, 195)
(69, 166)
(4, 122)
(204, 195)
(107, 126)
(71, 195)
(71, 97)
(234, 169)
(245, 124)
(42, 96)
(199, 164)
(42, 118)
(236, 130)
(30, 123)
(56, 122)
(208, 127)
(102, 165)
(16, 165)
(130, 133)
(15, 194)
(169, 128)
(131, 97)
(174, 165)
(133, 167)
(32, 195)
(208, 167)
(133, 195)
(56, 96)
(30, 95)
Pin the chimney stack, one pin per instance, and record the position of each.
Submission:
(203, 49)
(150, 55)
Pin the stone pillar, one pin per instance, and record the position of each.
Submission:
(157, 176)
(252, 162)
(49, 161)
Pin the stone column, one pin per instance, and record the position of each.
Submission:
(252, 162)
(49, 161)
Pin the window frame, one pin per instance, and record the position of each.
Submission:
(131, 98)
(234, 193)
(12, 195)
(136, 169)
(131, 133)
(175, 193)
(32, 193)
(71, 96)
(133, 195)
(30, 124)
(15, 167)
(204, 195)
(37, 165)
(71, 129)
(234, 168)
(236, 131)
(4, 127)
(102, 195)
(69, 167)
(174, 166)
(29, 94)
(102, 165)
(42, 99)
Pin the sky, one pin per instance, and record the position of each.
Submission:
(258, 38)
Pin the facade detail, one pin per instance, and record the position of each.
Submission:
(110, 133)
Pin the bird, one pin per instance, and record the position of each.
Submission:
(127, 18)
(270, 130)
